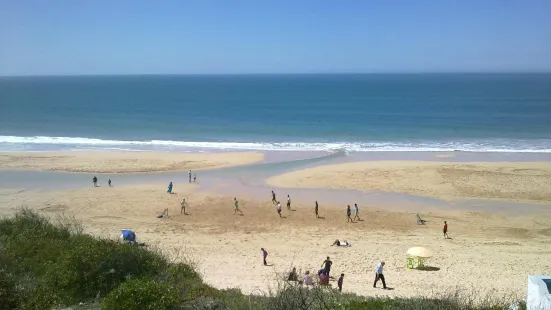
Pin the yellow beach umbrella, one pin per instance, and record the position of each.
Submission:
(420, 252)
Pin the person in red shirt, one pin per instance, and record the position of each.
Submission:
(445, 230)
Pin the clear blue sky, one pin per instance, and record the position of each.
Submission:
(281, 36)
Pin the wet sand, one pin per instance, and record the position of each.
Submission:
(123, 161)
(512, 181)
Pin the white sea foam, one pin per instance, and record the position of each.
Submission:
(529, 146)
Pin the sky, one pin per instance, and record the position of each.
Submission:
(57, 37)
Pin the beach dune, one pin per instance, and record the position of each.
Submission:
(529, 182)
(123, 161)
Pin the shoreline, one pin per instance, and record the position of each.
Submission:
(116, 162)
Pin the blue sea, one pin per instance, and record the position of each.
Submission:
(358, 113)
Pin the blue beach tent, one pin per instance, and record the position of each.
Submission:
(128, 235)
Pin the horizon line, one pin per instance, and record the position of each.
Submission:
(289, 73)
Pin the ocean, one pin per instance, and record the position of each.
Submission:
(357, 113)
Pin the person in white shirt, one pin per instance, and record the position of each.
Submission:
(279, 208)
(379, 275)
(288, 202)
(308, 279)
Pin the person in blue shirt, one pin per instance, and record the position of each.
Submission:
(169, 188)
(356, 211)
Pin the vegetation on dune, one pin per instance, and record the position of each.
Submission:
(54, 266)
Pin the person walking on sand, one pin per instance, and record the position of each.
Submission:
(278, 208)
(183, 206)
(356, 211)
(189, 176)
(274, 200)
(288, 202)
(316, 209)
(109, 182)
(445, 230)
(95, 181)
(236, 207)
(169, 190)
(264, 255)
(379, 275)
(339, 282)
(349, 214)
(327, 265)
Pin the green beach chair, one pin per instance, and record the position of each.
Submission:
(409, 263)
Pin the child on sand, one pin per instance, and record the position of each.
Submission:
(339, 282)
(236, 206)
(308, 279)
(445, 230)
(264, 255)
(293, 275)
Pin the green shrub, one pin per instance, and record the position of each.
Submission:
(141, 294)
(91, 266)
(9, 297)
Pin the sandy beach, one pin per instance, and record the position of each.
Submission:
(225, 247)
(123, 161)
(522, 181)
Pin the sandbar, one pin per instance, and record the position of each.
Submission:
(123, 161)
(513, 181)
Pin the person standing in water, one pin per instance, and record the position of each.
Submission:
(356, 211)
(169, 190)
(95, 181)
(109, 182)
(288, 202)
(316, 209)
(349, 214)
(189, 176)
(274, 200)
(236, 207)
(194, 177)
